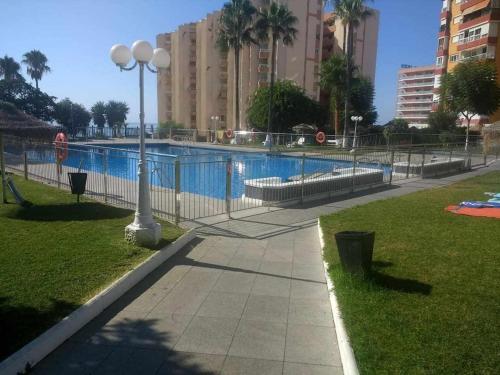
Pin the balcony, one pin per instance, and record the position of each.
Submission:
(492, 15)
(413, 117)
(480, 56)
(415, 109)
(416, 76)
(478, 4)
(475, 41)
(441, 52)
(415, 93)
(417, 84)
(444, 31)
(414, 101)
(263, 68)
(264, 53)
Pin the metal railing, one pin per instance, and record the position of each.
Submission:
(214, 182)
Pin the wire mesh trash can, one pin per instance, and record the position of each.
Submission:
(77, 182)
(355, 251)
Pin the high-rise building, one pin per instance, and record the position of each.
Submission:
(468, 30)
(365, 41)
(415, 94)
(200, 82)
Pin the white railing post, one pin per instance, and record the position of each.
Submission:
(105, 174)
(229, 169)
(392, 167)
(354, 161)
(302, 178)
(177, 208)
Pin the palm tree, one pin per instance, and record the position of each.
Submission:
(36, 63)
(98, 111)
(276, 22)
(9, 69)
(235, 32)
(350, 12)
(332, 79)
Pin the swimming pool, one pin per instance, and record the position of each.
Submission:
(202, 170)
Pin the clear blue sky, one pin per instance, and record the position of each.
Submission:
(76, 36)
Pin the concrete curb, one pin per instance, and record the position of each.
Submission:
(349, 365)
(39, 348)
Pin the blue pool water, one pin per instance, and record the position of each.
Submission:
(203, 170)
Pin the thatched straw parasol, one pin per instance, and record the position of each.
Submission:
(14, 122)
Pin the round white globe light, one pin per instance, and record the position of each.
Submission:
(161, 58)
(142, 51)
(360, 118)
(120, 54)
(353, 118)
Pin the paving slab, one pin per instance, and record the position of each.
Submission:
(250, 366)
(259, 340)
(208, 335)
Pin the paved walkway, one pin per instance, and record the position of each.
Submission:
(248, 297)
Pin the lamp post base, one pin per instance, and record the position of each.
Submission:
(143, 236)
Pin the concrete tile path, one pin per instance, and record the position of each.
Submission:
(248, 297)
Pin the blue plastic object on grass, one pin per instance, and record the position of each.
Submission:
(479, 204)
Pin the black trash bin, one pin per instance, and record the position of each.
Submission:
(77, 181)
(356, 251)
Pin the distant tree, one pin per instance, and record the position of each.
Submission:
(351, 12)
(471, 89)
(362, 98)
(332, 80)
(275, 23)
(116, 113)
(165, 127)
(98, 111)
(291, 106)
(441, 121)
(394, 127)
(235, 32)
(72, 115)
(36, 63)
(9, 69)
(28, 99)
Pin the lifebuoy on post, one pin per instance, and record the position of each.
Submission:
(229, 133)
(61, 145)
(320, 138)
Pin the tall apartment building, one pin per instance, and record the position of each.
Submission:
(365, 41)
(200, 82)
(415, 94)
(468, 30)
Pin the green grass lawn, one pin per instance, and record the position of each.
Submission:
(432, 304)
(56, 255)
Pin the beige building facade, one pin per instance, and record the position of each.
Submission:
(365, 41)
(200, 83)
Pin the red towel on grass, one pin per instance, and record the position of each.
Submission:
(478, 212)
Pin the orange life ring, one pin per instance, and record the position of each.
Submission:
(320, 138)
(229, 133)
(61, 145)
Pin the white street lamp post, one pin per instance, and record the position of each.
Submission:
(144, 231)
(215, 120)
(356, 119)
